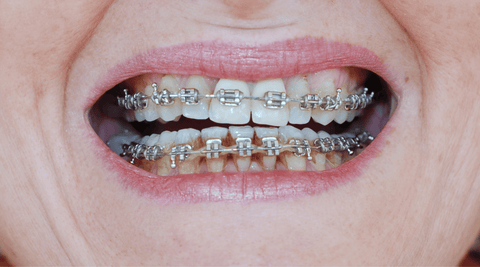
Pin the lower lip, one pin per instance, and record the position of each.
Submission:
(305, 55)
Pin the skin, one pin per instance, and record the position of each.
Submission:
(416, 203)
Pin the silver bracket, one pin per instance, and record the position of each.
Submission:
(358, 101)
(275, 100)
(189, 96)
(213, 148)
(324, 145)
(302, 148)
(230, 97)
(181, 152)
(163, 98)
(310, 101)
(271, 145)
(154, 153)
(135, 102)
(331, 103)
(244, 146)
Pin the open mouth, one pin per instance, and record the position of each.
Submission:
(175, 125)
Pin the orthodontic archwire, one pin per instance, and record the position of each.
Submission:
(234, 97)
(244, 148)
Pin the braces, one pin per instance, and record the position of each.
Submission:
(244, 148)
(234, 97)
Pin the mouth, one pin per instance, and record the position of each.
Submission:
(194, 134)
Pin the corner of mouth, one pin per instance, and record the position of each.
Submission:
(251, 64)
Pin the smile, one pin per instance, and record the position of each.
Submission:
(235, 127)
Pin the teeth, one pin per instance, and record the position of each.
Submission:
(242, 163)
(231, 114)
(342, 114)
(171, 112)
(215, 164)
(263, 115)
(199, 111)
(267, 161)
(318, 159)
(322, 83)
(116, 142)
(333, 159)
(288, 158)
(166, 140)
(190, 137)
(297, 87)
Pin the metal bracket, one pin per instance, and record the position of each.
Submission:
(163, 98)
(244, 146)
(331, 103)
(230, 97)
(302, 148)
(275, 100)
(189, 96)
(310, 101)
(271, 145)
(213, 148)
(181, 152)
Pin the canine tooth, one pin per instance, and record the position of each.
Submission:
(228, 114)
(288, 158)
(165, 140)
(169, 113)
(322, 88)
(261, 132)
(297, 87)
(351, 115)
(342, 114)
(150, 112)
(242, 163)
(200, 111)
(263, 115)
(318, 159)
(334, 159)
(215, 164)
(153, 139)
(191, 137)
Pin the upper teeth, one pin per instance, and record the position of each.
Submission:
(271, 102)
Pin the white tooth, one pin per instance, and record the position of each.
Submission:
(289, 159)
(261, 132)
(187, 136)
(323, 134)
(218, 164)
(309, 134)
(167, 141)
(116, 142)
(144, 140)
(323, 89)
(150, 112)
(214, 133)
(229, 114)
(263, 115)
(242, 163)
(351, 115)
(342, 114)
(289, 132)
(193, 163)
(241, 131)
(266, 132)
(153, 139)
(169, 113)
(296, 88)
(139, 115)
(200, 111)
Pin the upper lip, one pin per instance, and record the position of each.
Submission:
(247, 62)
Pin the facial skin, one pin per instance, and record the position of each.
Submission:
(416, 202)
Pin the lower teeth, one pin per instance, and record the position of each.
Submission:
(337, 147)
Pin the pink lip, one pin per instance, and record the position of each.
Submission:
(247, 62)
